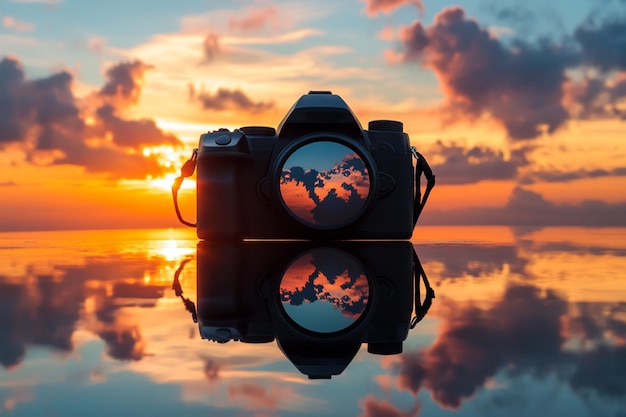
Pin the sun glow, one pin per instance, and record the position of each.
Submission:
(165, 183)
(171, 250)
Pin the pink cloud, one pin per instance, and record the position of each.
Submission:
(255, 20)
(12, 23)
(374, 7)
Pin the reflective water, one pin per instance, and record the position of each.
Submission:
(524, 322)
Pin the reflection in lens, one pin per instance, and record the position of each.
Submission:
(324, 184)
(324, 290)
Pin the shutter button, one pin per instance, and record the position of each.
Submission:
(223, 140)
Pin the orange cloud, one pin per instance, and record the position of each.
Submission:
(374, 7)
(375, 408)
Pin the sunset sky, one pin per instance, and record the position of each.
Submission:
(519, 106)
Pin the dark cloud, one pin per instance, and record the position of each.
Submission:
(523, 85)
(43, 313)
(594, 97)
(567, 176)
(123, 344)
(124, 82)
(373, 7)
(469, 165)
(522, 331)
(211, 46)
(103, 159)
(604, 45)
(527, 208)
(602, 370)
(13, 108)
(45, 117)
(44, 102)
(225, 99)
(45, 310)
(133, 133)
(519, 86)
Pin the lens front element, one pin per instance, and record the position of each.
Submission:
(325, 184)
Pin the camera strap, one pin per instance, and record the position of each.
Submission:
(421, 167)
(421, 308)
(186, 171)
(190, 306)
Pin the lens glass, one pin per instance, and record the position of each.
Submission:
(324, 290)
(325, 184)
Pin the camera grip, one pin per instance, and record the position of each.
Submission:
(218, 199)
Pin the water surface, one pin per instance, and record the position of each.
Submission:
(524, 322)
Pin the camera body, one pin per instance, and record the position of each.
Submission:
(318, 176)
(257, 292)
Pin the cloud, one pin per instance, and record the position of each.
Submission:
(375, 408)
(374, 7)
(524, 86)
(469, 260)
(527, 208)
(567, 176)
(255, 19)
(520, 86)
(522, 331)
(55, 127)
(12, 106)
(10, 22)
(469, 165)
(256, 396)
(133, 133)
(44, 313)
(124, 81)
(124, 343)
(211, 369)
(594, 97)
(527, 332)
(211, 46)
(603, 46)
(225, 99)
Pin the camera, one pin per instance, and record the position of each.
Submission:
(318, 176)
(320, 301)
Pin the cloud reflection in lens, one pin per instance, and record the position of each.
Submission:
(324, 290)
(325, 184)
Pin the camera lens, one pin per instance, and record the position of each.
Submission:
(324, 290)
(325, 184)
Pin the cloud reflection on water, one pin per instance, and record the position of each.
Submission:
(540, 310)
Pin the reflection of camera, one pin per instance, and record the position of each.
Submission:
(319, 302)
(320, 176)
